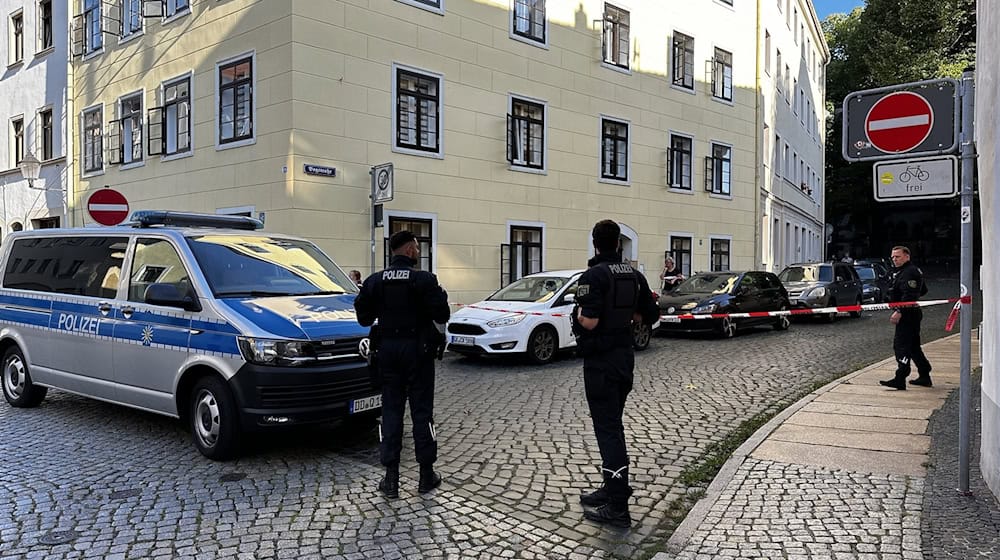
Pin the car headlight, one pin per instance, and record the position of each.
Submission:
(507, 320)
(268, 352)
(704, 309)
(817, 292)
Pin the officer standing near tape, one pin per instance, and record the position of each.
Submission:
(411, 309)
(907, 285)
(611, 295)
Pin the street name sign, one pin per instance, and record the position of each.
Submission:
(913, 179)
(906, 120)
(107, 207)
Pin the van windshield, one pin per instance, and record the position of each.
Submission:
(259, 266)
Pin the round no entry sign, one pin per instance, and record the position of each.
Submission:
(899, 122)
(107, 207)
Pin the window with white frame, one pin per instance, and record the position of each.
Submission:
(16, 41)
(718, 170)
(680, 162)
(614, 150)
(174, 7)
(680, 251)
(719, 257)
(92, 146)
(523, 255)
(44, 24)
(236, 101)
(682, 69)
(93, 38)
(722, 75)
(777, 155)
(616, 36)
(423, 230)
(125, 134)
(779, 77)
(529, 19)
(767, 52)
(46, 135)
(131, 12)
(418, 103)
(170, 124)
(16, 140)
(526, 134)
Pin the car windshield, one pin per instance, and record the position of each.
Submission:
(865, 272)
(535, 289)
(259, 266)
(812, 273)
(707, 283)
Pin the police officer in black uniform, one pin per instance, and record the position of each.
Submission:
(611, 295)
(907, 285)
(412, 310)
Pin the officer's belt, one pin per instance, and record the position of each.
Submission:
(400, 332)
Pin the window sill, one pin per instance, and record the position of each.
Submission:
(89, 174)
(610, 181)
(434, 9)
(179, 155)
(616, 68)
(167, 20)
(530, 41)
(45, 51)
(131, 165)
(680, 190)
(687, 90)
(720, 196)
(524, 169)
(235, 144)
(15, 64)
(130, 37)
(723, 101)
(418, 153)
(92, 54)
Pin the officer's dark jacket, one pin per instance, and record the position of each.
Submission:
(403, 299)
(907, 283)
(612, 291)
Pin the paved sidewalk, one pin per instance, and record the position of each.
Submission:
(840, 474)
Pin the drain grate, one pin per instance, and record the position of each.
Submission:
(122, 494)
(58, 537)
(232, 477)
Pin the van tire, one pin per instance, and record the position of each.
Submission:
(214, 419)
(18, 388)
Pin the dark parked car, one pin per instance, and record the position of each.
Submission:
(822, 284)
(874, 282)
(725, 292)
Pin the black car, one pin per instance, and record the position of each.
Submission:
(725, 292)
(874, 282)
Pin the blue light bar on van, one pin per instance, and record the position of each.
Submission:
(150, 218)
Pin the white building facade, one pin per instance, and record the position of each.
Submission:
(33, 110)
(793, 55)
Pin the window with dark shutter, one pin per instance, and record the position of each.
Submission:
(526, 134)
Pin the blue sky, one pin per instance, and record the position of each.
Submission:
(827, 7)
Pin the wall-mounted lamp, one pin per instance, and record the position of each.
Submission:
(30, 168)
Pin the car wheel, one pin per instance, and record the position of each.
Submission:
(641, 333)
(727, 328)
(214, 419)
(18, 388)
(856, 314)
(783, 320)
(542, 345)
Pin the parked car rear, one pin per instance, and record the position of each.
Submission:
(814, 285)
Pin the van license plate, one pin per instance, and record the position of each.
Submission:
(367, 403)
(463, 340)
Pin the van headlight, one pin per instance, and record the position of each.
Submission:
(507, 320)
(704, 309)
(268, 352)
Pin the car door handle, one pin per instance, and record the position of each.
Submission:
(104, 307)
(127, 311)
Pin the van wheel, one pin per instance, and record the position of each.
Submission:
(214, 419)
(18, 388)
(641, 333)
(856, 314)
(542, 345)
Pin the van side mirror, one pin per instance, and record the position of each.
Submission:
(168, 295)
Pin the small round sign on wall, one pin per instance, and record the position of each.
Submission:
(107, 207)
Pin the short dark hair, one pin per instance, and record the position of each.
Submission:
(606, 234)
(903, 248)
(401, 238)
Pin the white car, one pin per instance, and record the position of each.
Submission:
(529, 316)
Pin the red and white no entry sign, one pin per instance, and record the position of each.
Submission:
(899, 122)
(107, 207)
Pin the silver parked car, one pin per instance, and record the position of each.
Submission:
(822, 284)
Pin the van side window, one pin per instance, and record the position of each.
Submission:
(87, 266)
(156, 261)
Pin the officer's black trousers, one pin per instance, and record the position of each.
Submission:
(407, 372)
(906, 344)
(607, 379)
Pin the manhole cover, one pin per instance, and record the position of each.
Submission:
(58, 537)
(232, 477)
(122, 494)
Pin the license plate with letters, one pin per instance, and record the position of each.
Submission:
(670, 319)
(463, 340)
(367, 403)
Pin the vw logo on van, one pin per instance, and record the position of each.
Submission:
(365, 348)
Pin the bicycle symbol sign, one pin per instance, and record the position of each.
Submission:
(933, 177)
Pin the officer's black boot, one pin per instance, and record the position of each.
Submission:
(596, 498)
(923, 380)
(389, 485)
(429, 479)
(614, 513)
(895, 383)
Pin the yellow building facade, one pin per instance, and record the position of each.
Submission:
(512, 125)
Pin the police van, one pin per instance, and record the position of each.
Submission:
(199, 317)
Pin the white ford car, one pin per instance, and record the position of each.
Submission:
(528, 316)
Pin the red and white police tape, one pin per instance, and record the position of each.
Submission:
(816, 311)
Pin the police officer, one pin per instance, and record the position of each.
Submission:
(611, 295)
(412, 310)
(907, 285)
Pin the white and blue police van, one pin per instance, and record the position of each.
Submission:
(198, 317)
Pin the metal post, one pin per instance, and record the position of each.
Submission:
(968, 159)
(371, 219)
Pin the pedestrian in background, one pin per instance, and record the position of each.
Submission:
(907, 285)
(355, 276)
(611, 295)
(671, 276)
(411, 309)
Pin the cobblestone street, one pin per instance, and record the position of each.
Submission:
(516, 450)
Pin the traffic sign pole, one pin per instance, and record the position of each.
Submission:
(968, 154)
